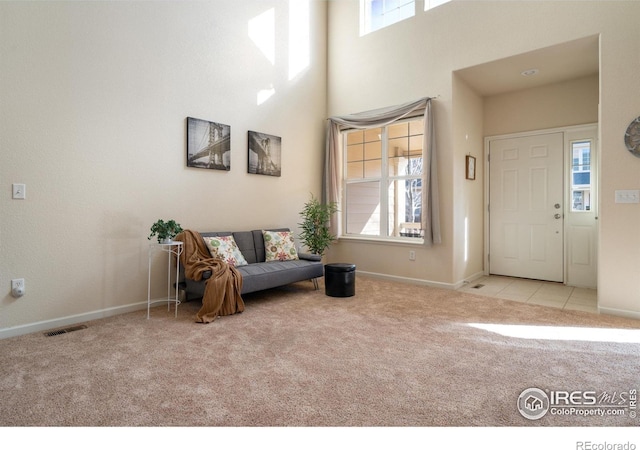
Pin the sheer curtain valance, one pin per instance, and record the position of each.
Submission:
(377, 118)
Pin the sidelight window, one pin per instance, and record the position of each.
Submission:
(581, 175)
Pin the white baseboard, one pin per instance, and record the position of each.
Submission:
(408, 280)
(453, 286)
(619, 312)
(69, 320)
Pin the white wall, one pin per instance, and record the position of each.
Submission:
(93, 102)
(568, 103)
(467, 139)
(419, 56)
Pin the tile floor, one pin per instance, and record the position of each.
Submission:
(545, 293)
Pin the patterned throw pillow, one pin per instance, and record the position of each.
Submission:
(226, 249)
(279, 246)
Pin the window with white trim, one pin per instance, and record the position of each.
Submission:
(376, 14)
(581, 175)
(382, 181)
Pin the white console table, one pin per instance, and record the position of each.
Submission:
(173, 248)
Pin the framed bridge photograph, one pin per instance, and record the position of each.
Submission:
(208, 144)
(264, 154)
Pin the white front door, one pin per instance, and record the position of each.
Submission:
(526, 206)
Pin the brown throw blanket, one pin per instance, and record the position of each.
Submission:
(222, 290)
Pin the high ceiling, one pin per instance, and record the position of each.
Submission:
(571, 60)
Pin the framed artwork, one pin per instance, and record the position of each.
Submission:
(208, 144)
(470, 167)
(264, 154)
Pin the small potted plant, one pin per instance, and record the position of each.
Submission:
(315, 233)
(165, 231)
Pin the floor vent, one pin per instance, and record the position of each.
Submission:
(478, 286)
(65, 330)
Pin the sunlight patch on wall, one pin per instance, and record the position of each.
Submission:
(466, 239)
(299, 17)
(428, 4)
(265, 94)
(560, 333)
(262, 33)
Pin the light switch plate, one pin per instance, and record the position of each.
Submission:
(18, 191)
(628, 196)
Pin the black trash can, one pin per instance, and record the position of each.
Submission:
(340, 280)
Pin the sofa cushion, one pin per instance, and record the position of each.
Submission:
(258, 242)
(279, 246)
(247, 246)
(267, 275)
(245, 242)
(226, 249)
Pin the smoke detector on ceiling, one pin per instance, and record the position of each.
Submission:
(529, 72)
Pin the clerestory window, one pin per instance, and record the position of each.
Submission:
(376, 14)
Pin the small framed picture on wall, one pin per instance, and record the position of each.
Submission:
(265, 154)
(208, 144)
(470, 167)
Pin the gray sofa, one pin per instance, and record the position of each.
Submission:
(258, 274)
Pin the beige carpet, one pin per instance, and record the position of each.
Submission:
(393, 355)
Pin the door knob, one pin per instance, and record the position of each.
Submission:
(557, 216)
(557, 206)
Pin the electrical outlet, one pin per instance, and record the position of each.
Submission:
(18, 283)
(412, 255)
(17, 287)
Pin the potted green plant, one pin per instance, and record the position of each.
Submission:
(165, 231)
(315, 233)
